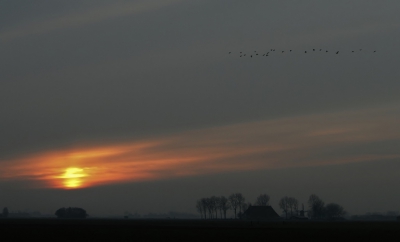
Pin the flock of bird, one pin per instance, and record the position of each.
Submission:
(268, 53)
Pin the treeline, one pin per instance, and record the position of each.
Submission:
(216, 207)
(316, 208)
(211, 207)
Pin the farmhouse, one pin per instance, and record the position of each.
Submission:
(260, 213)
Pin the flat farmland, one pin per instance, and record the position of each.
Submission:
(190, 230)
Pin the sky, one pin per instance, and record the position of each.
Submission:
(137, 105)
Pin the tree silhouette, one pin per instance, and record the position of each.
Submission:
(316, 206)
(293, 204)
(204, 206)
(262, 200)
(215, 205)
(283, 204)
(334, 210)
(224, 205)
(236, 200)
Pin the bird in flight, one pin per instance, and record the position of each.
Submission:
(242, 54)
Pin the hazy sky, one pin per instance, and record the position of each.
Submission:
(124, 105)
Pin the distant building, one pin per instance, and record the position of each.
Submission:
(260, 213)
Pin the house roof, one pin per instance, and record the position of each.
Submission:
(260, 212)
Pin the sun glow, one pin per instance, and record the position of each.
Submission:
(73, 177)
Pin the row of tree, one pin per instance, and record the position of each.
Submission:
(210, 207)
(317, 208)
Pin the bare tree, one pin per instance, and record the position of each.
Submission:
(316, 206)
(235, 203)
(214, 202)
(262, 200)
(293, 204)
(204, 206)
(241, 201)
(210, 208)
(224, 205)
(283, 204)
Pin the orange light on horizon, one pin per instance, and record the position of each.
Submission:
(290, 142)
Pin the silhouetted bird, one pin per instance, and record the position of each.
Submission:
(244, 54)
(326, 51)
(229, 52)
(360, 49)
(290, 50)
(283, 51)
(313, 49)
(263, 54)
(337, 52)
(240, 56)
(320, 49)
(352, 51)
(251, 56)
(374, 51)
(305, 52)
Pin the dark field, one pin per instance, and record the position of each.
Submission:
(190, 230)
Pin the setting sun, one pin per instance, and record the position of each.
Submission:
(73, 177)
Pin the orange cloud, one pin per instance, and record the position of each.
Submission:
(313, 140)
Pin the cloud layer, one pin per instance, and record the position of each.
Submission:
(312, 140)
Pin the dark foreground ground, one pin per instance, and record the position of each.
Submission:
(191, 230)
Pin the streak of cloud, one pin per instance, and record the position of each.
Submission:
(80, 19)
(311, 140)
